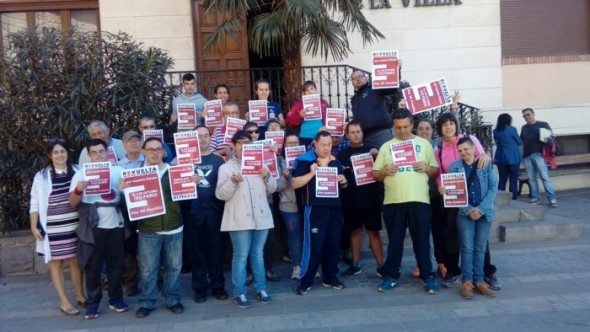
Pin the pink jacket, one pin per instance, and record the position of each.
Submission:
(450, 154)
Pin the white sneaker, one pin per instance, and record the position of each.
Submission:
(296, 272)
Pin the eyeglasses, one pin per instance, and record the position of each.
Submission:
(254, 131)
(156, 150)
(98, 153)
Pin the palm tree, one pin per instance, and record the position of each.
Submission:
(320, 26)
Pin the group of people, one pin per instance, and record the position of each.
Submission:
(94, 235)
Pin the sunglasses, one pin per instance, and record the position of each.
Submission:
(257, 131)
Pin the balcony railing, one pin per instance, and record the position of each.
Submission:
(333, 84)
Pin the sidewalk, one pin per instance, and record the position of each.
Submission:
(546, 287)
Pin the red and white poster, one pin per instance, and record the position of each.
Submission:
(278, 137)
(112, 156)
(385, 67)
(182, 186)
(187, 116)
(456, 186)
(270, 158)
(428, 96)
(313, 106)
(335, 118)
(258, 110)
(231, 127)
(362, 166)
(326, 182)
(98, 176)
(187, 148)
(252, 158)
(213, 113)
(292, 152)
(157, 133)
(403, 153)
(143, 192)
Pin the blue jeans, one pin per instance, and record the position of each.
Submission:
(150, 246)
(246, 244)
(535, 164)
(294, 235)
(474, 237)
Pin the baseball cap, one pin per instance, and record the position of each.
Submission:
(129, 134)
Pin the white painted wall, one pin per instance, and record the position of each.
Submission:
(162, 23)
(459, 42)
(463, 44)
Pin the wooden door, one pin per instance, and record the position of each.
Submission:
(227, 63)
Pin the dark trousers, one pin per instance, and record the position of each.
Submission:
(206, 250)
(321, 244)
(131, 276)
(108, 249)
(437, 229)
(398, 217)
(508, 172)
(452, 249)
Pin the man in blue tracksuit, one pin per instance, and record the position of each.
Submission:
(322, 216)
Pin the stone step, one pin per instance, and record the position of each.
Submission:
(519, 211)
(552, 227)
(503, 198)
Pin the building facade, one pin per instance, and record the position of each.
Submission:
(503, 55)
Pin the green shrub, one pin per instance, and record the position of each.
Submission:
(52, 84)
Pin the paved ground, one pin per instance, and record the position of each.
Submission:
(546, 288)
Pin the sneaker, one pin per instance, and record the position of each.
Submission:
(535, 201)
(335, 285)
(242, 301)
(493, 282)
(483, 289)
(353, 270)
(143, 312)
(302, 291)
(176, 309)
(317, 275)
(450, 281)
(296, 274)
(387, 284)
(91, 312)
(263, 297)
(416, 272)
(380, 272)
(119, 305)
(467, 290)
(553, 203)
(430, 285)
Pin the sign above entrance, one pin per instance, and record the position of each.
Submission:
(381, 4)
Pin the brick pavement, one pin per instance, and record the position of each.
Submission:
(546, 288)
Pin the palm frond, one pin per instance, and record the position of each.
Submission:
(299, 13)
(352, 18)
(228, 29)
(231, 6)
(267, 34)
(326, 37)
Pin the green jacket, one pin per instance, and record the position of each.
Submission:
(168, 221)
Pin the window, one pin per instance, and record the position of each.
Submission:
(59, 14)
(537, 31)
